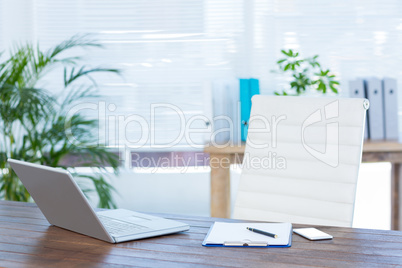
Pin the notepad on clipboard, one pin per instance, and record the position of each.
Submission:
(224, 234)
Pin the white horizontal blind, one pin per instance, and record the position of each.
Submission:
(168, 49)
(352, 38)
(16, 23)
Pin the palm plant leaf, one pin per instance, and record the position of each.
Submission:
(34, 125)
(84, 71)
(75, 41)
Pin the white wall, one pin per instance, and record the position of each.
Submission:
(373, 197)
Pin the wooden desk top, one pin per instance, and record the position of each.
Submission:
(27, 239)
(368, 147)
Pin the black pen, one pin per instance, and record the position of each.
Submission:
(262, 232)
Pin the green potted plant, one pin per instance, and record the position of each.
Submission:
(306, 75)
(34, 123)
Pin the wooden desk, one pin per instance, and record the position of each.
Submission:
(372, 152)
(27, 240)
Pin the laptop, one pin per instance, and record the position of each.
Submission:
(64, 205)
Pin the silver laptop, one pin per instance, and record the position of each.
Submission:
(64, 205)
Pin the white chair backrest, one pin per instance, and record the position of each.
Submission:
(302, 160)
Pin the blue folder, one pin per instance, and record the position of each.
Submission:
(248, 88)
(245, 107)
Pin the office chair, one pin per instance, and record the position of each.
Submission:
(302, 160)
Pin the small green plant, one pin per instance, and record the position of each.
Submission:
(35, 125)
(306, 74)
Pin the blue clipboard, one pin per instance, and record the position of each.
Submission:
(263, 243)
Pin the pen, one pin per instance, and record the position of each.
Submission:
(262, 232)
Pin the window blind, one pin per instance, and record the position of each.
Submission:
(352, 38)
(169, 49)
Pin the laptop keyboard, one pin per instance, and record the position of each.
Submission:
(119, 227)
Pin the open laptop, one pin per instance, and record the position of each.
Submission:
(64, 205)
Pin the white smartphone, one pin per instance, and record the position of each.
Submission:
(312, 233)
